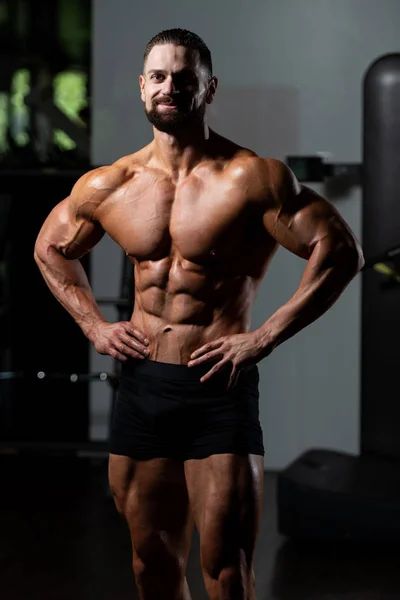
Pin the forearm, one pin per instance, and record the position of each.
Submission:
(68, 282)
(328, 272)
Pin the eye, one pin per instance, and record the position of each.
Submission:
(188, 80)
(156, 76)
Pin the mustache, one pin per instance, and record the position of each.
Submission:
(168, 100)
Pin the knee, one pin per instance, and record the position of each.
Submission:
(231, 583)
(157, 570)
(231, 579)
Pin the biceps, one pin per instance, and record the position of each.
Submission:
(79, 239)
(70, 236)
(305, 220)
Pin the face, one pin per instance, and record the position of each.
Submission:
(175, 88)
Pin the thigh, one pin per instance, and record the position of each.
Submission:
(225, 492)
(153, 498)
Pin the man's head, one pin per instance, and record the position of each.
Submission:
(177, 80)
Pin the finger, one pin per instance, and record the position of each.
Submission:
(135, 345)
(206, 358)
(207, 348)
(213, 371)
(133, 331)
(117, 355)
(233, 378)
(126, 351)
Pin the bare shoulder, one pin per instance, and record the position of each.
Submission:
(95, 186)
(268, 180)
(282, 181)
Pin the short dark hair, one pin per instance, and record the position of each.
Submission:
(181, 37)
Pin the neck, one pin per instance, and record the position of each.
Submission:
(179, 154)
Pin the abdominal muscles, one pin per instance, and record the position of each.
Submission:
(181, 305)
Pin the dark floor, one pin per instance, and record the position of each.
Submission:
(62, 539)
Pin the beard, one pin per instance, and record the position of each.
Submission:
(175, 121)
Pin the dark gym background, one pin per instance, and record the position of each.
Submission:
(292, 85)
(45, 88)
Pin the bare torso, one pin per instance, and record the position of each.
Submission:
(198, 246)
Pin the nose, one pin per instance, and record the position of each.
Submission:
(169, 86)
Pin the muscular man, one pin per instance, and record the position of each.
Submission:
(201, 218)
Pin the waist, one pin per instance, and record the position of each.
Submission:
(177, 372)
(173, 343)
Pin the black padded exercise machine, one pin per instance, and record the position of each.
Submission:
(330, 495)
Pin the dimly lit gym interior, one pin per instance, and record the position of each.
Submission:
(315, 85)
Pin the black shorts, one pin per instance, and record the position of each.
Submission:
(164, 411)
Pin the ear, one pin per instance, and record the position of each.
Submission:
(212, 88)
(141, 84)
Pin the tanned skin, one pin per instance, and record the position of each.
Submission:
(201, 218)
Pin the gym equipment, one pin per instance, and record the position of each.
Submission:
(30, 411)
(46, 379)
(326, 494)
(333, 495)
(316, 169)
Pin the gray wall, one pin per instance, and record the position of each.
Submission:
(290, 76)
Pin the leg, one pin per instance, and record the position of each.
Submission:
(225, 492)
(152, 497)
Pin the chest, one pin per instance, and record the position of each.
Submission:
(199, 218)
